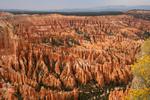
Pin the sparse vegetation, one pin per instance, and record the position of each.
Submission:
(141, 70)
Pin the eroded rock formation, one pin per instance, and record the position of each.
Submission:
(62, 57)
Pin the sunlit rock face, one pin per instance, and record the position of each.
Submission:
(5, 35)
(67, 57)
(3, 14)
(118, 94)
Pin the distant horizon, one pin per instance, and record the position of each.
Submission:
(67, 4)
(7, 9)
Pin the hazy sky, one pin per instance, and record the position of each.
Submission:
(59, 4)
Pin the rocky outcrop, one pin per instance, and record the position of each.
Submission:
(6, 38)
(4, 14)
(118, 94)
(66, 57)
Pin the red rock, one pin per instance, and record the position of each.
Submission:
(50, 56)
